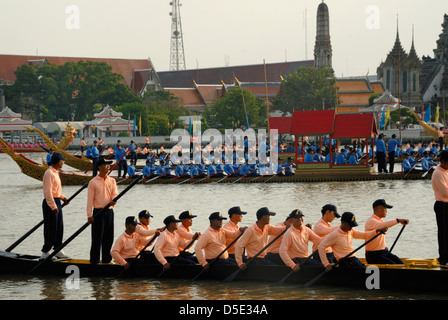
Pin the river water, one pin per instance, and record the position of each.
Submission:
(21, 198)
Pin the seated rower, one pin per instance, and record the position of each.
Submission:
(318, 157)
(235, 217)
(148, 169)
(376, 251)
(309, 156)
(353, 159)
(167, 246)
(406, 164)
(184, 231)
(341, 242)
(273, 253)
(143, 229)
(132, 170)
(211, 170)
(294, 246)
(126, 247)
(323, 228)
(340, 158)
(255, 238)
(213, 242)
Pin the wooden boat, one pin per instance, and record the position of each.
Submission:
(36, 170)
(80, 163)
(416, 274)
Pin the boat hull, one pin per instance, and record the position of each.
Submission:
(419, 277)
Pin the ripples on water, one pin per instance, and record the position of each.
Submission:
(21, 210)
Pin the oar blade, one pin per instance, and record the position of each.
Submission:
(231, 277)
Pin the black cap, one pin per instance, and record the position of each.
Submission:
(331, 208)
(296, 213)
(349, 218)
(131, 220)
(170, 219)
(186, 215)
(381, 202)
(264, 212)
(236, 210)
(102, 161)
(56, 157)
(216, 216)
(144, 214)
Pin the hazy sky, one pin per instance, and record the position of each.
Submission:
(218, 32)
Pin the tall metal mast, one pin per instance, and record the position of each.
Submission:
(177, 57)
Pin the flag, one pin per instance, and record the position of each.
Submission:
(427, 117)
(129, 124)
(134, 125)
(140, 126)
(383, 118)
(437, 114)
(194, 123)
(189, 127)
(387, 115)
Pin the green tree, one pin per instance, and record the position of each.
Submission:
(52, 92)
(308, 88)
(231, 110)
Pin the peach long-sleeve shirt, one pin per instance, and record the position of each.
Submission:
(52, 186)
(275, 247)
(185, 233)
(145, 232)
(212, 243)
(295, 244)
(127, 246)
(100, 193)
(254, 239)
(439, 182)
(341, 242)
(168, 245)
(231, 226)
(322, 229)
(373, 223)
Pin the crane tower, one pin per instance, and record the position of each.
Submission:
(177, 57)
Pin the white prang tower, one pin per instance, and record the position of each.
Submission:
(323, 53)
(177, 57)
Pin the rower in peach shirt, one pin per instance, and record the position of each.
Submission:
(294, 246)
(376, 251)
(255, 238)
(341, 242)
(272, 251)
(101, 191)
(168, 245)
(52, 207)
(184, 231)
(213, 242)
(323, 228)
(143, 229)
(235, 217)
(127, 246)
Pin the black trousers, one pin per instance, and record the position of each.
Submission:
(381, 158)
(441, 210)
(102, 236)
(94, 166)
(382, 257)
(53, 226)
(391, 161)
(122, 165)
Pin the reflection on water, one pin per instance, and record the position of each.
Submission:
(21, 210)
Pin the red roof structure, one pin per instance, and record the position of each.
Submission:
(312, 123)
(282, 124)
(354, 125)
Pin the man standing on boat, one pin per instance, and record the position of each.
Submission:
(255, 238)
(440, 187)
(381, 153)
(101, 191)
(392, 146)
(376, 251)
(52, 207)
(95, 157)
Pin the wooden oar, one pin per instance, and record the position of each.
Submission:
(311, 282)
(185, 249)
(233, 275)
(244, 176)
(231, 174)
(159, 176)
(70, 239)
(139, 254)
(427, 171)
(216, 259)
(280, 282)
(396, 239)
(15, 244)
